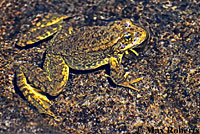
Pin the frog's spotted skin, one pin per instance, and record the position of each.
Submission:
(49, 25)
(82, 48)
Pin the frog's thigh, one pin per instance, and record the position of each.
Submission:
(57, 71)
(118, 75)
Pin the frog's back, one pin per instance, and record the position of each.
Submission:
(87, 47)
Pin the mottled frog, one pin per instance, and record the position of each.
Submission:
(82, 48)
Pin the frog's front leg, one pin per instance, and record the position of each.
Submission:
(35, 82)
(117, 74)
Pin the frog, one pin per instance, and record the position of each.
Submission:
(79, 48)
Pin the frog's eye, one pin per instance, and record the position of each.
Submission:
(127, 37)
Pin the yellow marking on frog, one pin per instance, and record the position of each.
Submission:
(47, 34)
(38, 24)
(37, 95)
(70, 30)
(127, 84)
(41, 37)
(120, 58)
(33, 29)
(65, 74)
(34, 97)
(66, 34)
(31, 90)
(30, 42)
(126, 52)
(44, 20)
(54, 21)
(132, 50)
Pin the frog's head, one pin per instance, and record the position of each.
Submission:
(132, 36)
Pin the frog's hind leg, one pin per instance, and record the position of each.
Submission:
(35, 82)
(40, 101)
(49, 25)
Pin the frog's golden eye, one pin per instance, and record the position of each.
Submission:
(127, 37)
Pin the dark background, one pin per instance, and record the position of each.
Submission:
(90, 103)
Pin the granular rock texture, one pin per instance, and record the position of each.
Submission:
(170, 64)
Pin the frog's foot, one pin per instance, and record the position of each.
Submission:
(40, 101)
(122, 81)
(128, 83)
(118, 76)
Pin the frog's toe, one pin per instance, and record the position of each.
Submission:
(128, 83)
(42, 103)
(136, 80)
(58, 118)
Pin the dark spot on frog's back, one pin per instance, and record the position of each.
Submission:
(105, 35)
(87, 34)
(81, 40)
(118, 23)
(136, 34)
(84, 49)
(98, 38)
(101, 32)
(94, 42)
(112, 37)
